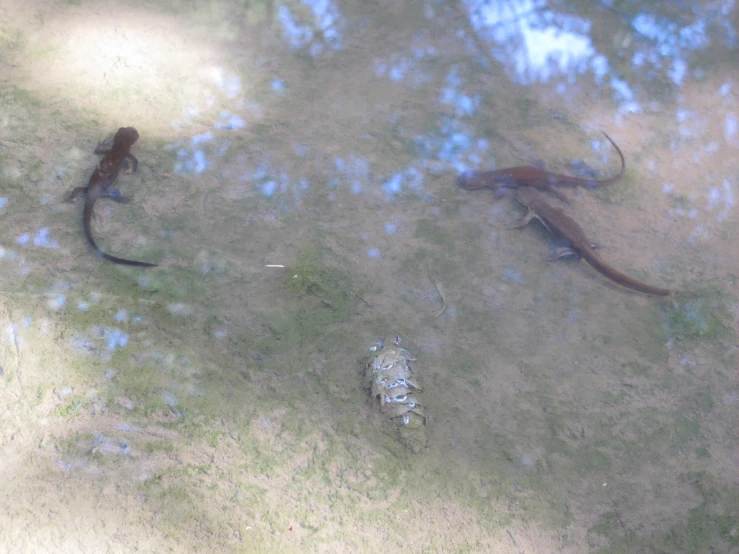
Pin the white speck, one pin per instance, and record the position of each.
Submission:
(179, 308)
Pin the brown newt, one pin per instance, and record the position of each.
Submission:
(561, 224)
(102, 178)
(534, 177)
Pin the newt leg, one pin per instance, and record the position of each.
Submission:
(525, 220)
(131, 164)
(528, 217)
(116, 196)
(105, 146)
(563, 252)
(559, 252)
(79, 191)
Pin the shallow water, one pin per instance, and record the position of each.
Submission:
(297, 187)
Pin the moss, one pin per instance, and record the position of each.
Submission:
(151, 447)
(620, 192)
(74, 407)
(701, 530)
(461, 361)
(609, 524)
(389, 469)
(15, 95)
(588, 460)
(702, 401)
(431, 231)
(528, 109)
(425, 261)
(637, 368)
(686, 430)
(705, 318)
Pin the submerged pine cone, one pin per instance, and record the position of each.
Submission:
(395, 389)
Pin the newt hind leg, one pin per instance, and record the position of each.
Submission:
(79, 191)
(116, 196)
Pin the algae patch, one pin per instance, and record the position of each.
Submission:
(314, 299)
(318, 286)
(703, 318)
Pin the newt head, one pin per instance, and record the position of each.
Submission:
(126, 136)
(471, 180)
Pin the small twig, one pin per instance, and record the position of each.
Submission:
(443, 298)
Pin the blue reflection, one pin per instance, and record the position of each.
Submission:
(513, 275)
(452, 146)
(411, 177)
(323, 30)
(723, 199)
(269, 188)
(398, 71)
(394, 185)
(41, 239)
(731, 125)
(169, 399)
(199, 163)
(230, 83)
(678, 71)
(670, 38)
(229, 122)
(354, 168)
(400, 68)
(450, 94)
(115, 338)
(201, 138)
(536, 42)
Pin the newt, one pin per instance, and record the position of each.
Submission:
(102, 178)
(559, 223)
(528, 176)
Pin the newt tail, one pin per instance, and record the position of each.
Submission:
(617, 277)
(86, 219)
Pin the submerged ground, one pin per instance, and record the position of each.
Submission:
(217, 404)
